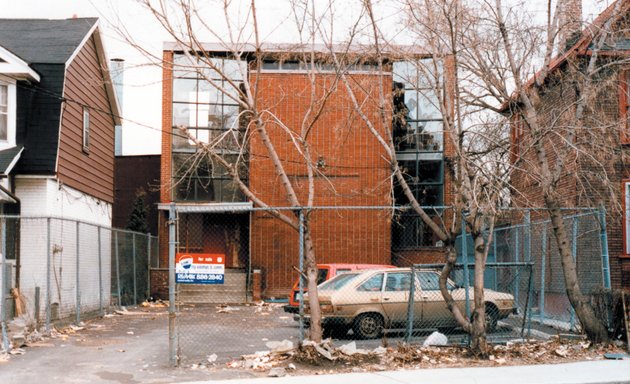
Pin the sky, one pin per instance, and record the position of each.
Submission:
(142, 90)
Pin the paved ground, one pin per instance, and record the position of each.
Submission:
(123, 349)
(134, 348)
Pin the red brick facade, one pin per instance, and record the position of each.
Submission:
(353, 170)
(585, 182)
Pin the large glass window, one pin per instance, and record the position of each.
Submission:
(425, 178)
(417, 118)
(205, 102)
(200, 179)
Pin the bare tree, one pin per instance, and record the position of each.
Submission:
(560, 135)
(228, 149)
(476, 178)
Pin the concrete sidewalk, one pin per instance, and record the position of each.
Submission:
(601, 371)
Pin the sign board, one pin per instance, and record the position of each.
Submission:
(199, 268)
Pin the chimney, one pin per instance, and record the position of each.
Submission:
(116, 71)
(570, 24)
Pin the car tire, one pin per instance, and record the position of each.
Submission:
(368, 326)
(492, 317)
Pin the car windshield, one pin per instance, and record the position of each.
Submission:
(338, 281)
(321, 275)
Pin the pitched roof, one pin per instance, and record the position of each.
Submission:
(583, 44)
(42, 40)
(8, 158)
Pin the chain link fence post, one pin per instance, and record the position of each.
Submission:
(3, 290)
(148, 292)
(410, 307)
(133, 263)
(48, 272)
(100, 275)
(301, 278)
(172, 243)
(466, 271)
(116, 246)
(78, 275)
(604, 244)
(574, 233)
(543, 267)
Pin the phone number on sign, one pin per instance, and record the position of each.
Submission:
(199, 276)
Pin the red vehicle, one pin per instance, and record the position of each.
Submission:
(326, 272)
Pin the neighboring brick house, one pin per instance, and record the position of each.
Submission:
(606, 116)
(57, 115)
(355, 166)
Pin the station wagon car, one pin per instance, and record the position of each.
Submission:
(326, 272)
(370, 301)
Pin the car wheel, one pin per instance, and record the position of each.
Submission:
(368, 326)
(492, 317)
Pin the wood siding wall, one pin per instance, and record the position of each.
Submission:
(91, 172)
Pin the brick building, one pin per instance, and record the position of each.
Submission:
(353, 167)
(599, 162)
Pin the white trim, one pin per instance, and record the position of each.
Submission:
(80, 46)
(102, 60)
(13, 162)
(86, 129)
(208, 207)
(11, 112)
(43, 177)
(244, 48)
(16, 66)
(114, 104)
(324, 72)
(62, 107)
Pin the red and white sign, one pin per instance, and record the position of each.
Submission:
(200, 268)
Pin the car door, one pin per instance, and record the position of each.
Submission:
(435, 313)
(368, 295)
(395, 297)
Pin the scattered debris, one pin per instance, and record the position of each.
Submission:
(277, 372)
(227, 309)
(136, 313)
(283, 346)
(562, 351)
(436, 338)
(212, 358)
(154, 304)
(17, 351)
(350, 349)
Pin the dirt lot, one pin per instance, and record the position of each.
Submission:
(133, 348)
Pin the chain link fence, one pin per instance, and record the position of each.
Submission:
(224, 261)
(62, 270)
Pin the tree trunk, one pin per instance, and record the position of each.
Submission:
(311, 278)
(451, 258)
(478, 342)
(592, 326)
